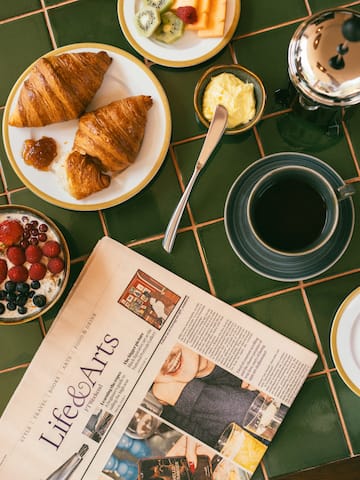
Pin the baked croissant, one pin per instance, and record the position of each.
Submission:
(84, 175)
(59, 88)
(114, 133)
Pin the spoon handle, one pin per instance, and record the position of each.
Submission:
(215, 132)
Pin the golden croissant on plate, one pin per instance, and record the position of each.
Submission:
(114, 133)
(84, 175)
(59, 88)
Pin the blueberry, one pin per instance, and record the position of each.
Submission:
(31, 293)
(35, 284)
(11, 306)
(2, 308)
(11, 297)
(39, 300)
(22, 310)
(22, 287)
(21, 299)
(10, 286)
(3, 294)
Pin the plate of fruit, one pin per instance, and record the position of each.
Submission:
(34, 264)
(178, 33)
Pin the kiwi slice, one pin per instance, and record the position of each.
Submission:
(170, 29)
(147, 20)
(161, 5)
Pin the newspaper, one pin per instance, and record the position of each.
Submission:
(145, 376)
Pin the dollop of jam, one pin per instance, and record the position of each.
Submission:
(40, 153)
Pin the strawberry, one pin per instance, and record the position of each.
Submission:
(55, 265)
(37, 271)
(187, 14)
(16, 255)
(18, 273)
(33, 253)
(11, 232)
(3, 270)
(51, 248)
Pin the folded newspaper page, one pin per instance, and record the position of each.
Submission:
(145, 376)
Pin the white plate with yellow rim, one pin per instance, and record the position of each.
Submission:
(125, 77)
(189, 50)
(345, 341)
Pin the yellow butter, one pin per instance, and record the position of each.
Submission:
(235, 95)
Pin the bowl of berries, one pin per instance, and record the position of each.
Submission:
(34, 264)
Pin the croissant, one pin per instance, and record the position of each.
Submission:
(84, 175)
(59, 88)
(114, 133)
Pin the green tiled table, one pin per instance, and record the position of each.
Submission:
(323, 424)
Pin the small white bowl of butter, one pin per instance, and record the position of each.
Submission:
(238, 89)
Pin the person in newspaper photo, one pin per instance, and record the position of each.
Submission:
(203, 399)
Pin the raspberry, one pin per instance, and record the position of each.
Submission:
(16, 255)
(33, 253)
(187, 14)
(18, 273)
(37, 271)
(11, 232)
(55, 265)
(3, 270)
(51, 248)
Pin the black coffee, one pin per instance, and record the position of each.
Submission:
(289, 215)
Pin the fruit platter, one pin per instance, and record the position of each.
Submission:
(178, 33)
(34, 264)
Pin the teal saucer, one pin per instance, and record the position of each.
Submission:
(270, 263)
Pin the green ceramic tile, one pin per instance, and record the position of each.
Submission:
(179, 85)
(310, 434)
(287, 315)
(12, 9)
(318, 5)
(325, 299)
(233, 154)
(52, 2)
(353, 122)
(81, 229)
(266, 55)
(84, 21)
(256, 15)
(288, 133)
(350, 405)
(183, 261)
(18, 343)
(14, 59)
(11, 179)
(232, 279)
(154, 204)
(8, 383)
(257, 474)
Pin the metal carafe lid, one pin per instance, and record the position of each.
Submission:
(324, 58)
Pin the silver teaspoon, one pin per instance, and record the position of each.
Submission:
(214, 134)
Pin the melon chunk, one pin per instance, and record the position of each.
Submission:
(216, 20)
(202, 11)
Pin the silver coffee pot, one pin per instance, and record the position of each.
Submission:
(324, 59)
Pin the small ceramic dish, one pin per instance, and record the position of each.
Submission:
(244, 75)
(34, 264)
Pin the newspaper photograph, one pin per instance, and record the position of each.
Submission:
(143, 375)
